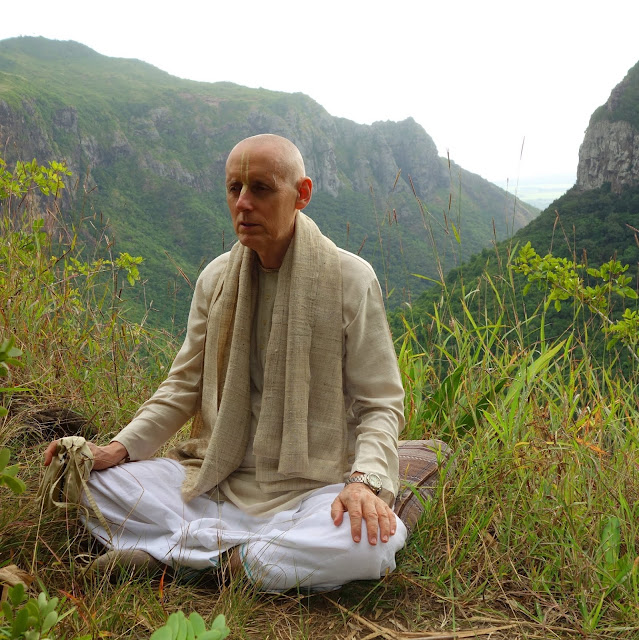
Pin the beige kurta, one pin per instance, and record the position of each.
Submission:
(373, 393)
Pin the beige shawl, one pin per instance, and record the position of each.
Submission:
(300, 441)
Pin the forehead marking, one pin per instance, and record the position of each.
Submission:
(244, 172)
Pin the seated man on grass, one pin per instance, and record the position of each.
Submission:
(289, 373)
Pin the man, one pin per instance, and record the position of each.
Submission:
(289, 371)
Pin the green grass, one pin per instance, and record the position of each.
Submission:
(532, 533)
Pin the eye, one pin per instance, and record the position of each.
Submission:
(234, 187)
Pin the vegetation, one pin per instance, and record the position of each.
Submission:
(27, 618)
(179, 626)
(586, 230)
(624, 106)
(150, 149)
(532, 534)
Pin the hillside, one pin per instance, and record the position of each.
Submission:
(150, 148)
(594, 222)
(532, 529)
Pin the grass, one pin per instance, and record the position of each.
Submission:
(533, 534)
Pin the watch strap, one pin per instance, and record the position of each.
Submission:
(364, 479)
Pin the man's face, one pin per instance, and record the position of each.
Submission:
(262, 202)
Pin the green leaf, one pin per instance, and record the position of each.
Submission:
(173, 623)
(50, 605)
(14, 352)
(467, 421)
(418, 275)
(6, 612)
(20, 623)
(611, 542)
(197, 622)
(15, 484)
(11, 471)
(163, 633)
(220, 624)
(182, 622)
(17, 594)
(456, 233)
(50, 619)
(528, 372)
(5, 456)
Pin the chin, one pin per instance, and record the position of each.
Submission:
(248, 242)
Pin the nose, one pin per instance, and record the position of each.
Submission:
(244, 202)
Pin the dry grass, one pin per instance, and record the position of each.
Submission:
(534, 534)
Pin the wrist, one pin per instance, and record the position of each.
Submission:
(117, 452)
(371, 480)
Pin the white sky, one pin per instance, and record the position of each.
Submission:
(480, 77)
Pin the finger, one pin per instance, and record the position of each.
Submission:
(49, 452)
(372, 522)
(355, 515)
(337, 511)
(384, 524)
(393, 521)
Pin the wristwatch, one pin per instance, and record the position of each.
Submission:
(371, 480)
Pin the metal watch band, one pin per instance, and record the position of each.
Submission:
(371, 480)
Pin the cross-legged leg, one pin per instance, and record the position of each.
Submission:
(302, 547)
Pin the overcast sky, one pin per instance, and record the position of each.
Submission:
(482, 78)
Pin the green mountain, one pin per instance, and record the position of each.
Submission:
(594, 222)
(148, 150)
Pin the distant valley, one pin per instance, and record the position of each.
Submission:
(540, 191)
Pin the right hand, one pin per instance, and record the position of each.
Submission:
(104, 457)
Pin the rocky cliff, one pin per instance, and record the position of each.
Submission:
(610, 150)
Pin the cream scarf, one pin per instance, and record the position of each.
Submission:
(300, 442)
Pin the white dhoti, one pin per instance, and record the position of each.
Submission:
(298, 547)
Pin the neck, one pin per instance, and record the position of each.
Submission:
(273, 258)
(271, 262)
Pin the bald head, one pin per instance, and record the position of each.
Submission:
(286, 158)
(265, 188)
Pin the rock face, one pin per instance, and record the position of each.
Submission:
(610, 150)
(609, 153)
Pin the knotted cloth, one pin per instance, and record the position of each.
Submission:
(300, 440)
(65, 480)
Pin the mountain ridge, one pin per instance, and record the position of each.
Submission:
(152, 147)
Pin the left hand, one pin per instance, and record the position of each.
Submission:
(103, 457)
(362, 503)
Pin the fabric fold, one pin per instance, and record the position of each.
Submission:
(300, 441)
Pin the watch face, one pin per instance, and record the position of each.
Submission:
(374, 481)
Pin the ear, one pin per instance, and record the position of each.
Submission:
(304, 193)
